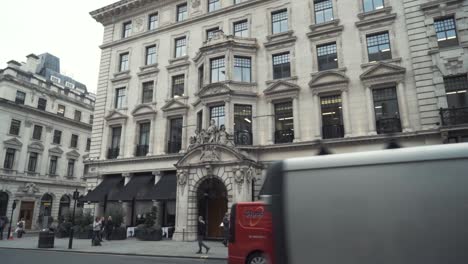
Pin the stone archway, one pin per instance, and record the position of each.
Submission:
(212, 204)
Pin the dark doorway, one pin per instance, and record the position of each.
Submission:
(64, 207)
(3, 203)
(212, 205)
(26, 212)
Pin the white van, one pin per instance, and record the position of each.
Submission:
(399, 206)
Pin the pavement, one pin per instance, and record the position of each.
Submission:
(130, 246)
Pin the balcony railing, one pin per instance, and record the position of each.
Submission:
(388, 125)
(174, 146)
(141, 150)
(454, 116)
(332, 131)
(284, 136)
(113, 153)
(243, 138)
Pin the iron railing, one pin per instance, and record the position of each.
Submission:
(284, 136)
(141, 150)
(243, 137)
(454, 116)
(113, 153)
(388, 125)
(332, 131)
(174, 146)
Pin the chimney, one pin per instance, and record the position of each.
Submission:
(13, 64)
(32, 63)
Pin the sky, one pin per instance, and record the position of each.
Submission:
(63, 28)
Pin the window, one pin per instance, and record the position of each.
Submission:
(218, 70)
(284, 123)
(201, 76)
(57, 137)
(242, 69)
(323, 11)
(281, 66)
(213, 5)
(279, 20)
(9, 158)
(153, 21)
(378, 47)
(175, 135)
(200, 120)
(239, 1)
(178, 83)
(127, 29)
(147, 96)
(69, 85)
(243, 124)
(15, 127)
(151, 55)
(114, 149)
(182, 12)
(53, 165)
(74, 141)
(124, 62)
(217, 114)
(55, 79)
(32, 163)
(332, 121)
(211, 32)
(61, 110)
(37, 132)
(241, 29)
(77, 115)
(446, 32)
(386, 110)
(42, 104)
(456, 88)
(143, 139)
(119, 97)
(371, 5)
(91, 119)
(88, 144)
(326, 57)
(180, 47)
(20, 97)
(71, 168)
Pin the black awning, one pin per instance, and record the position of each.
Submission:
(104, 188)
(138, 184)
(165, 189)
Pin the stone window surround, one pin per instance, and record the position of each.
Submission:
(276, 8)
(17, 145)
(391, 34)
(152, 11)
(173, 38)
(169, 117)
(292, 62)
(247, 17)
(57, 168)
(118, 53)
(140, 90)
(207, 27)
(143, 54)
(339, 51)
(312, 12)
(38, 162)
(175, 8)
(151, 118)
(111, 124)
(175, 72)
(386, 3)
(431, 32)
(112, 94)
(21, 127)
(229, 64)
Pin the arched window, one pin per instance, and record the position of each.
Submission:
(46, 205)
(3, 203)
(64, 206)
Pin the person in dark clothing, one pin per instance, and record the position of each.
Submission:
(201, 234)
(109, 227)
(226, 229)
(3, 222)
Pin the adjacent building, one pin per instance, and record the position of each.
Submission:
(196, 98)
(45, 136)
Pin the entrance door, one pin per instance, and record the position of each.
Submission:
(212, 205)
(26, 212)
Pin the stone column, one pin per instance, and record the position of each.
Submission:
(403, 107)
(182, 203)
(271, 123)
(122, 141)
(184, 133)
(228, 118)
(370, 112)
(43, 166)
(158, 204)
(151, 137)
(346, 114)
(318, 120)
(206, 117)
(297, 120)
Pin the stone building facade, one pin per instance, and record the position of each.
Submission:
(46, 135)
(213, 91)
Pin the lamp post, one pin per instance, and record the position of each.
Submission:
(13, 206)
(76, 196)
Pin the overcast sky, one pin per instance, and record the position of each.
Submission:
(63, 28)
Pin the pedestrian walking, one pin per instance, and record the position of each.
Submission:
(3, 223)
(201, 234)
(95, 241)
(109, 228)
(20, 228)
(225, 225)
(103, 224)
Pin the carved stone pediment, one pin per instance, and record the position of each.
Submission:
(174, 107)
(211, 153)
(382, 70)
(28, 188)
(281, 88)
(56, 151)
(36, 147)
(328, 80)
(73, 154)
(143, 109)
(214, 89)
(115, 115)
(13, 143)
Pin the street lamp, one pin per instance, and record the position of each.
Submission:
(76, 196)
(11, 218)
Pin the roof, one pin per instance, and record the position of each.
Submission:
(133, 188)
(165, 189)
(103, 189)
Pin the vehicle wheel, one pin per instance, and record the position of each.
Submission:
(257, 258)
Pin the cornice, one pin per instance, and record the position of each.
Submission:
(136, 159)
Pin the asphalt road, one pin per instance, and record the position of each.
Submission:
(13, 256)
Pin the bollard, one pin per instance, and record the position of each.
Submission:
(183, 234)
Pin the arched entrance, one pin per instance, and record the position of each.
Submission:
(64, 207)
(3, 203)
(212, 205)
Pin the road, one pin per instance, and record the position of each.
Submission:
(13, 256)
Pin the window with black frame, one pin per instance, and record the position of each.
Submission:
(326, 57)
(456, 88)
(15, 126)
(153, 21)
(243, 124)
(126, 29)
(201, 76)
(371, 5)
(446, 32)
(211, 32)
(61, 110)
(74, 141)
(9, 158)
(88, 144)
(284, 122)
(241, 29)
(180, 47)
(57, 139)
(143, 139)
(242, 69)
(77, 116)
(119, 98)
(182, 12)
(147, 92)
(20, 97)
(3, 203)
(32, 163)
(37, 132)
(123, 66)
(200, 120)
(151, 55)
(378, 47)
(279, 21)
(71, 168)
(218, 115)
(332, 117)
(53, 165)
(42, 104)
(114, 149)
(178, 85)
(218, 70)
(386, 110)
(175, 135)
(281, 66)
(213, 5)
(323, 11)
